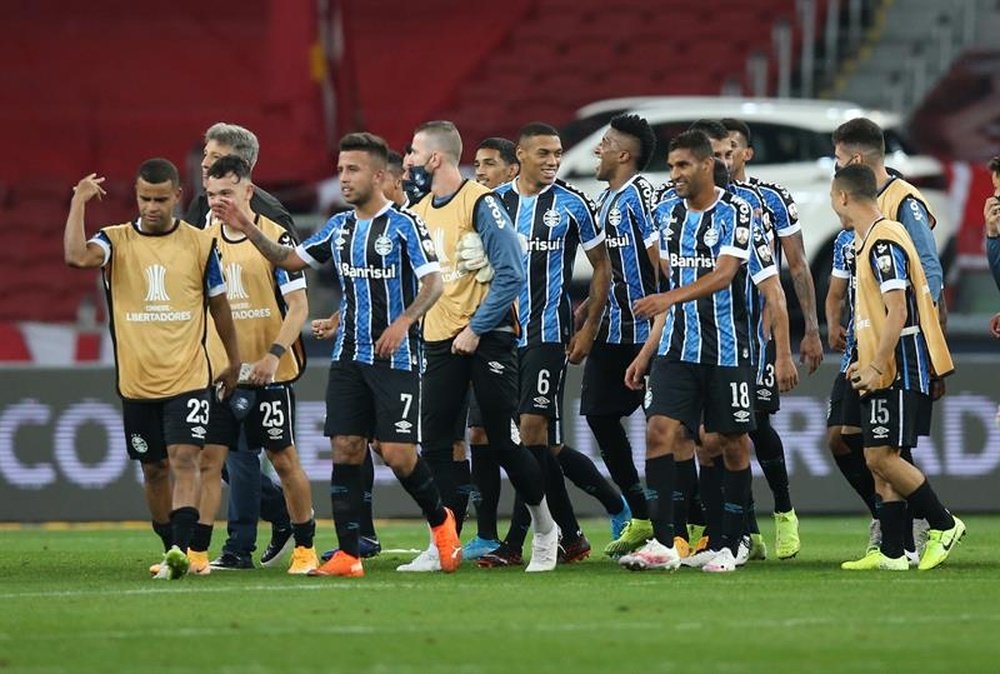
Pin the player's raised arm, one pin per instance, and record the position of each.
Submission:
(77, 251)
(276, 253)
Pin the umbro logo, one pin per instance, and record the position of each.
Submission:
(541, 401)
(741, 416)
(495, 367)
(403, 426)
(764, 393)
(880, 432)
(198, 432)
(275, 433)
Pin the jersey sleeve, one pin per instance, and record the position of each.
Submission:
(288, 281)
(889, 262)
(840, 269)
(737, 228)
(102, 241)
(761, 262)
(916, 219)
(419, 245)
(586, 223)
(503, 250)
(215, 282)
(784, 212)
(317, 249)
(641, 205)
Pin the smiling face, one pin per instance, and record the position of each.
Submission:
(230, 187)
(540, 157)
(491, 169)
(610, 152)
(691, 176)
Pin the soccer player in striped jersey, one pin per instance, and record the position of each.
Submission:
(899, 346)
(703, 341)
(551, 219)
(160, 273)
(380, 255)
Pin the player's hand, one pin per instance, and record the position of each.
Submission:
(635, 375)
(836, 337)
(580, 344)
(390, 339)
(786, 373)
(89, 187)
(326, 328)
(225, 383)
(227, 211)
(262, 372)
(862, 379)
(652, 305)
(995, 326)
(465, 343)
(811, 351)
(991, 216)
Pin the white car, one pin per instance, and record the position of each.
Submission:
(792, 147)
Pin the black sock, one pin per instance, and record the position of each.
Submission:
(523, 471)
(696, 511)
(367, 522)
(440, 465)
(556, 495)
(750, 519)
(582, 472)
(462, 477)
(617, 454)
(855, 471)
(420, 485)
(771, 457)
(166, 533)
(923, 500)
(520, 524)
(909, 544)
(661, 474)
(736, 491)
(201, 538)
(182, 523)
(687, 477)
(304, 533)
(710, 488)
(486, 475)
(892, 515)
(347, 499)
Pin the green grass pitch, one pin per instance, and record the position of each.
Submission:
(81, 601)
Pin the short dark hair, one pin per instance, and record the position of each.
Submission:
(695, 141)
(366, 142)
(712, 128)
(862, 133)
(232, 163)
(858, 180)
(994, 165)
(505, 147)
(638, 128)
(536, 129)
(738, 126)
(720, 174)
(159, 170)
(394, 161)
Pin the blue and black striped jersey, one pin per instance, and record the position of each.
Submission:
(889, 262)
(714, 330)
(843, 268)
(781, 210)
(550, 225)
(378, 262)
(625, 215)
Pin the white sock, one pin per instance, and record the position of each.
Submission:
(541, 518)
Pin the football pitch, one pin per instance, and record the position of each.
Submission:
(81, 600)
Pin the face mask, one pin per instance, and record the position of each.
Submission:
(418, 184)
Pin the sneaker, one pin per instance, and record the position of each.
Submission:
(633, 536)
(502, 556)
(920, 529)
(577, 551)
(427, 561)
(786, 535)
(198, 563)
(174, 566)
(232, 561)
(368, 547)
(341, 564)
(758, 548)
(304, 560)
(723, 562)
(280, 545)
(699, 558)
(449, 546)
(874, 536)
(696, 532)
(620, 520)
(652, 555)
(912, 558)
(544, 551)
(940, 544)
(478, 547)
(682, 547)
(702, 544)
(874, 560)
(743, 550)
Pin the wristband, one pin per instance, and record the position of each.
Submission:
(277, 350)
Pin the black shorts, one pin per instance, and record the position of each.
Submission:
(543, 377)
(269, 423)
(604, 391)
(151, 426)
(844, 408)
(890, 417)
(475, 416)
(722, 397)
(768, 397)
(373, 401)
(924, 417)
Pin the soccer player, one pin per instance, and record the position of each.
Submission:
(379, 254)
(551, 218)
(624, 214)
(471, 336)
(899, 346)
(253, 495)
(991, 216)
(495, 162)
(269, 307)
(702, 339)
(782, 217)
(159, 274)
